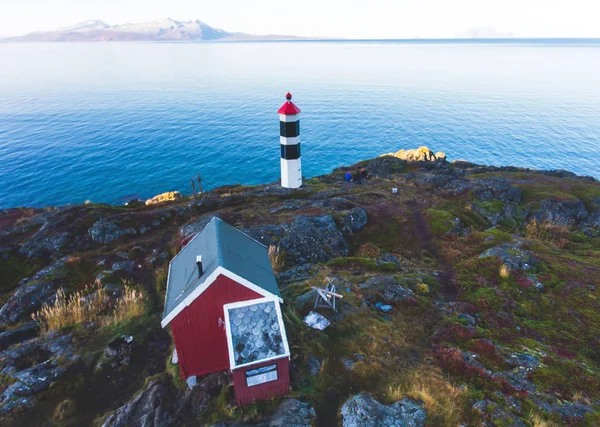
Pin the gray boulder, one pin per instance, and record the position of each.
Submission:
(107, 230)
(561, 212)
(33, 368)
(354, 220)
(594, 219)
(196, 226)
(290, 413)
(110, 229)
(384, 166)
(266, 234)
(314, 365)
(495, 216)
(26, 300)
(523, 360)
(33, 380)
(149, 408)
(518, 378)
(388, 287)
(497, 189)
(309, 239)
(43, 242)
(55, 234)
(467, 318)
(17, 335)
(488, 410)
(313, 239)
(363, 410)
(32, 293)
(296, 274)
(512, 256)
(567, 410)
(306, 298)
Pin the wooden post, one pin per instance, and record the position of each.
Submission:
(193, 188)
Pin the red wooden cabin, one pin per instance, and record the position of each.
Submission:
(223, 306)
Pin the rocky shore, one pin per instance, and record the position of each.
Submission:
(471, 297)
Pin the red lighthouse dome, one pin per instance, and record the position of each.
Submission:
(289, 108)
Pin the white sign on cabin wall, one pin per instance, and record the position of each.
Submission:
(261, 375)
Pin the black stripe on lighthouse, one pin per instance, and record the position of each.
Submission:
(290, 152)
(289, 129)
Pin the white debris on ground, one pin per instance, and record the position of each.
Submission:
(316, 321)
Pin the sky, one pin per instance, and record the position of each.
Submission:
(321, 18)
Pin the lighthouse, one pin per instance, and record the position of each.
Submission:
(289, 126)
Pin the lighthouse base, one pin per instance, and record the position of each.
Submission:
(291, 173)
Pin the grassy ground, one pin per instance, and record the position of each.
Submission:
(395, 354)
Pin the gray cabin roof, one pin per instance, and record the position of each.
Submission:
(220, 245)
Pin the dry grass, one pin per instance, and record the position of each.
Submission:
(504, 271)
(276, 257)
(537, 420)
(89, 305)
(441, 398)
(545, 231)
(579, 396)
(78, 307)
(130, 305)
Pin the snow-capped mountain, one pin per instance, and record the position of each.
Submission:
(159, 30)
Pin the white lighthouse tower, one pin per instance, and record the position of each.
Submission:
(289, 125)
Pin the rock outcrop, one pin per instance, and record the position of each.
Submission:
(363, 410)
(112, 228)
(354, 220)
(169, 196)
(421, 154)
(563, 213)
(512, 256)
(33, 367)
(149, 408)
(32, 293)
(17, 335)
(291, 413)
(313, 239)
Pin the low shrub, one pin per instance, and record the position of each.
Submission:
(422, 289)
(368, 250)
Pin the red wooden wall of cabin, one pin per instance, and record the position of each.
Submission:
(200, 341)
(245, 395)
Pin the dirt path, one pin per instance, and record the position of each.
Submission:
(446, 277)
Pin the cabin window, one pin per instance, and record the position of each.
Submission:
(290, 152)
(289, 129)
(261, 375)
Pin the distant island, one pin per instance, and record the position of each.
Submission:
(484, 33)
(159, 30)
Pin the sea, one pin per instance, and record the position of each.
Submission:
(109, 122)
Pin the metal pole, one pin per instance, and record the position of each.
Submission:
(199, 183)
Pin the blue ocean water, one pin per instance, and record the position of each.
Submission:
(102, 122)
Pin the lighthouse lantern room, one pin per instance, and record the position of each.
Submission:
(289, 125)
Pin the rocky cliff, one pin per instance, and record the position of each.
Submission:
(471, 295)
